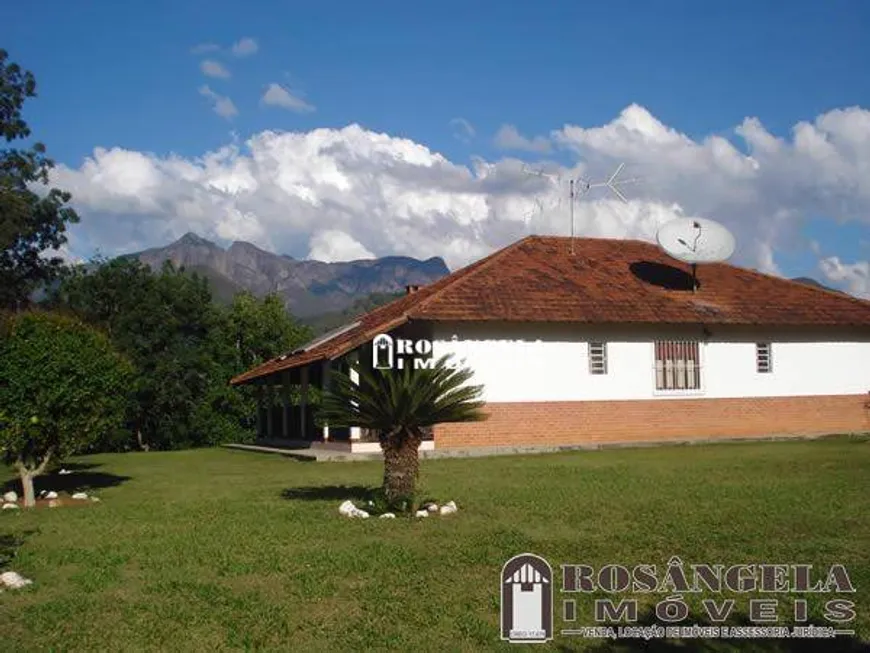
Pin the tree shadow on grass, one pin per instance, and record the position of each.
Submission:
(839, 644)
(81, 479)
(329, 493)
(9, 545)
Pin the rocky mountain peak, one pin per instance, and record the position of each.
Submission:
(308, 287)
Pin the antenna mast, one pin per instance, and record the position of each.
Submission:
(579, 186)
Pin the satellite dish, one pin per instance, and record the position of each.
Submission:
(696, 240)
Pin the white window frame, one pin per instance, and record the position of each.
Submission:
(764, 356)
(678, 392)
(597, 368)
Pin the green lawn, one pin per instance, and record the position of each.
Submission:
(218, 550)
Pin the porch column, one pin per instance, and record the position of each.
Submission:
(303, 400)
(353, 361)
(285, 404)
(258, 395)
(270, 414)
(327, 370)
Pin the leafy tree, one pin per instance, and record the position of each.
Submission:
(262, 329)
(252, 331)
(30, 223)
(163, 323)
(62, 385)
(185, 348)
(400, 405)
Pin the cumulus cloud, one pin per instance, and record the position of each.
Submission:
(212, 68)
(278, 96)
(462, 129)
(335, 245)
(245, 47)
(222, 105)
(351, 192)
(509, 138)
(855, 277)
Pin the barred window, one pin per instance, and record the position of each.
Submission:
(598, 358)
(763, 357)
(678, 365)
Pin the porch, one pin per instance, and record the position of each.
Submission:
(287, 411)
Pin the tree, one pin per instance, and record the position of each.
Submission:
(262, 329)
(251, 331)
(184, 347)
(62, 386)
(163, 323)
(29, 223)
(400, 405)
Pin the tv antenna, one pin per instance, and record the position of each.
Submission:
(696, 240)
(580, 186)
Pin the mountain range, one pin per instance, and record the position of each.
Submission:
(309, 288)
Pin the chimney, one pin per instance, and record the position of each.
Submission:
(410, 290)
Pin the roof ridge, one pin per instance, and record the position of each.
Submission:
(463, 274)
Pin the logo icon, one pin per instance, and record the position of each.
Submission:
(527, 600)
(382, 352)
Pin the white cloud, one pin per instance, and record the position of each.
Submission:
(335, 245)
(213, 68)
(222, 105)
(855, 277)
(278, 96)
(509, 138)
(462, 129)
(245, 47)
(372, 193)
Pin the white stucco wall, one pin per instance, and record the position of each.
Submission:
(550, 362)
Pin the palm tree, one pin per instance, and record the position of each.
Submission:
(400, 406)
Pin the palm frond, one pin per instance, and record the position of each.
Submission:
(407, 399)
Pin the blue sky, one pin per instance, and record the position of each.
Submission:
(123, 75)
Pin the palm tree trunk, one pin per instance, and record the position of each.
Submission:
(401, 467)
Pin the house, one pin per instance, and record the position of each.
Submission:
(612, 343)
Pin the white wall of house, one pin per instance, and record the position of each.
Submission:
(549, 362)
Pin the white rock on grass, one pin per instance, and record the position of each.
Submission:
(64, 472)
(53, 504)
(10, 506)
(80, 495)
(10, 497)
(432, 507)
(349, 510)
(388, 515)
(14, 580)
(50, 495)
(95, 498)
(421, 513)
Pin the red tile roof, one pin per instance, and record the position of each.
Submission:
(538, 279)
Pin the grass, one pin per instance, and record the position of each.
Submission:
(217, 550)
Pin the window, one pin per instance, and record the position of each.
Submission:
(763, 358)
(678, 365)
(598, 358)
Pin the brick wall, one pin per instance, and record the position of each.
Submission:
(600, 422)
